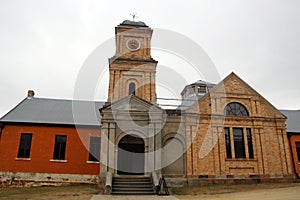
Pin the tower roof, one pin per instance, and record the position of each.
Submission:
(133, 23)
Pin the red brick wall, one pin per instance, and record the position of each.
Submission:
(42, 147)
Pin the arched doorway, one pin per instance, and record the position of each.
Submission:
(131, 156)
(173, 157)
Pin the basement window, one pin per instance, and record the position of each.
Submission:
(60, 147)
(25, 145)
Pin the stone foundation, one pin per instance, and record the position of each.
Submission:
(203, 180)
(28, 178)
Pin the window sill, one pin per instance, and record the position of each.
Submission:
(60, 161)
(24, 159)
(92, 162)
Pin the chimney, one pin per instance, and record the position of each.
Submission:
(30, 94)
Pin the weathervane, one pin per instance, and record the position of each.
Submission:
(134, 16)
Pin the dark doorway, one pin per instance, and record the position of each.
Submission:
(131, 156)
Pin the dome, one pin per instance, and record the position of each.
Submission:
(133, 23)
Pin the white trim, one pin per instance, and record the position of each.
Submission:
(92, 162)
(62, 161)
(25, 159)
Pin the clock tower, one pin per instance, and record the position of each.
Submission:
(132, 69)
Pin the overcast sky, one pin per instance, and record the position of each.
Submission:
(45, 43)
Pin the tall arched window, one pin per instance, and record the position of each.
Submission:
(238, 135)
(236, 109)
(131, 89)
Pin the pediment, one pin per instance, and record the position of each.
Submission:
(132, 103)
(233, 87)
(233, 84)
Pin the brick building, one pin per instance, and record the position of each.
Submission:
(39, 141)
(221, 133)
(293, 133)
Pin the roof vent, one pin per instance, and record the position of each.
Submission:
(30, 94)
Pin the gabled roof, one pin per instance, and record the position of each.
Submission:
(232, 84)
(55, 111)
(293, 120)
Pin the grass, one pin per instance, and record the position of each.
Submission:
(220, 189)
(61, 192)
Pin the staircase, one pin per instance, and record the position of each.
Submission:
(132, 185)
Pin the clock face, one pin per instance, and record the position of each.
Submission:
(133, 45)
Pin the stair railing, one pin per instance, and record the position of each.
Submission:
(155, 180)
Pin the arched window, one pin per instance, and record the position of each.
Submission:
(131, 88)
(236, 109)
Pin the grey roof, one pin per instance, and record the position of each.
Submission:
(55, 111)
(293, 121)
(186, 103)
(133, 23)
(203, 82)
(199, 82)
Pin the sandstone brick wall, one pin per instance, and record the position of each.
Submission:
(206, 155)
(124, 72)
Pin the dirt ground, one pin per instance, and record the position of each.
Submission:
(49, 193)
(222, 192)
(284, 193)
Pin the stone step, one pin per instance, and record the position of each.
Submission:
(135, 186)
(131, 193)
(132, 185)
(131, 189)
(131, 182)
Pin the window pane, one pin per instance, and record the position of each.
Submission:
(228, 144)
(202, 89)
(236, 109)
(239, 145)
(60, 147)
(25, 145)
(298, 150)
(131, 88)
(94, 154)
(250, 143)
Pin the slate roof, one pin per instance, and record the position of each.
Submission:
(293, 121)
(55, 111)
(77, 112)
